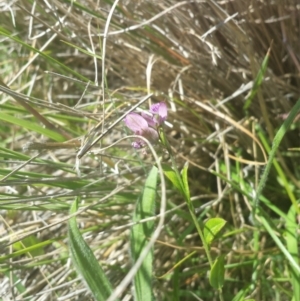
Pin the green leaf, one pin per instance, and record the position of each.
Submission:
(292, 240)
(216, 277)
(276, 142)
(31, 242)
(240, 295)
(174, 178)
(32, 126)
(258, 81)
(266, 222)
(17, 282)
(85, 261)
(140, 234)
(212, 227)
(185, 182)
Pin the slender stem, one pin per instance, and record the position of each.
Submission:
(200, 232)
(199, 225)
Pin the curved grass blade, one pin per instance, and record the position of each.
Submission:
(85, 261)
(139, 237)
(265, 220)
(277, 139)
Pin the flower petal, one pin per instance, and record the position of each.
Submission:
(136, 123)
(150, 134)
(138, 144)
(150, 119)
(154, 108)
(161, 110)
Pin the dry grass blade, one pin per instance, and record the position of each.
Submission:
(202, 59)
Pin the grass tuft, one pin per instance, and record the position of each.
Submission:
(229, 74)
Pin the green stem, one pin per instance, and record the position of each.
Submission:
(187, 199)
(200, 232)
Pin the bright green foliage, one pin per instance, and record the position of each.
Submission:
(85, 261)
(292, 237)
(257, 82)
(171, 174)
(139, 236)
(216, 276)
(32, 243)
(212, 227)
(229, 91)
(32, 126)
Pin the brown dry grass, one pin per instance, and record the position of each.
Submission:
(192, 56)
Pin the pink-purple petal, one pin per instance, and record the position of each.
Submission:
(146, 124)
(138, 144)
(150, 120)
(150, 134)
(154, 108)
(136, 123)
(163, 111)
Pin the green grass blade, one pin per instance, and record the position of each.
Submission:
(294, 263)
(85, 261)
(258, 81)
(277, 139)
(292, 239)
(83, 50)
(139, 237)
(49, 59)
(32, 126)
(17, 282)
(241, 294)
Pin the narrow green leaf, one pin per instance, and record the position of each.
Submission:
(48, 58)
(212, 227)
(176, 282)
(292, 240)
(17, 282)
(185, 182)
(265, 220)
(10, 154)
(216, 277)
(30, 242)
(85, 261)
(83, 50)
(140, 234)
(240, 296)
(32, 126)
(172, 176)
(258, 81)
(277, 139)
(20, 250)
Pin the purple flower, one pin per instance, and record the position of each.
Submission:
(146, 124)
